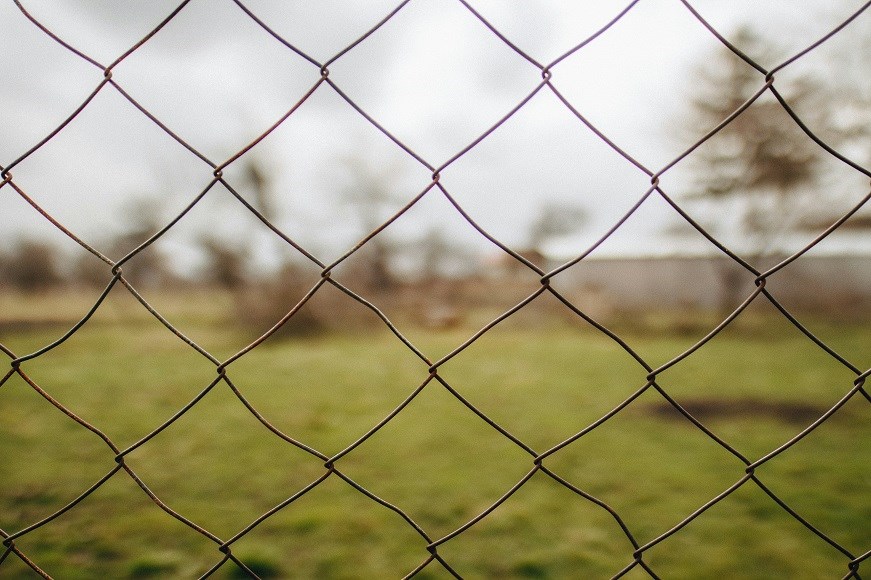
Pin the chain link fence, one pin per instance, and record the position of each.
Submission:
(432, 558)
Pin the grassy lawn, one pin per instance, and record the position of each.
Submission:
(755, 386)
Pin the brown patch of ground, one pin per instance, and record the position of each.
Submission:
(15, 326)
(709, 408)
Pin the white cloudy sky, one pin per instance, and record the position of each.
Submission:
(433, 76)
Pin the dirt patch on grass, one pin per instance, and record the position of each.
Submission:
(18, 326)
(709, 408)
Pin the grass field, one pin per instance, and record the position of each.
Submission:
(755, 385)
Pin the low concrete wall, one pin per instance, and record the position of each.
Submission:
(810, 282)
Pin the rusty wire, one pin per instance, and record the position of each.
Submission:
(321, 80)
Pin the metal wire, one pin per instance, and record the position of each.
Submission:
(430, 375)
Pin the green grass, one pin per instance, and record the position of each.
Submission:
(221, 468)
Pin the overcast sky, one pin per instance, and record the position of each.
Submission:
(434, 76)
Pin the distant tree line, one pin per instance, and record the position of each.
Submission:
(760, 168)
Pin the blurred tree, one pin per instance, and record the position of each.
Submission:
(142, 219)
(226, 260)
(555, 219)
(759, 157)
(370, 195)
(439, 256)
(225, 263)
(760, 165)
(851, 115)
(31, 266)
(258, 177)
(845, 112)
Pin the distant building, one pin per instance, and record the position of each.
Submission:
(811, 282)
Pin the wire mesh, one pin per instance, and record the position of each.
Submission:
(431, 552)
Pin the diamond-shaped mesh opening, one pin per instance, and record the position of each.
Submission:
(37, 438)
(332, 530)
(326, 194)
(334, 382)
(47, 102)
(121, 28)
(829, 457)
(93, 192)
(730, 526)
(761, 212)
(183, 465)
(467, 466)
(225, 239)
(85, 539)
(757, 406)
(633, 72)
(35, 255)
(425, 61)
(544, 529)
(182, 93)
(110, 363)
(544, 358)
(324, 30)
(451, 288)
(824, 292)
(662, 293)
(544, 158)
(622, 463)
